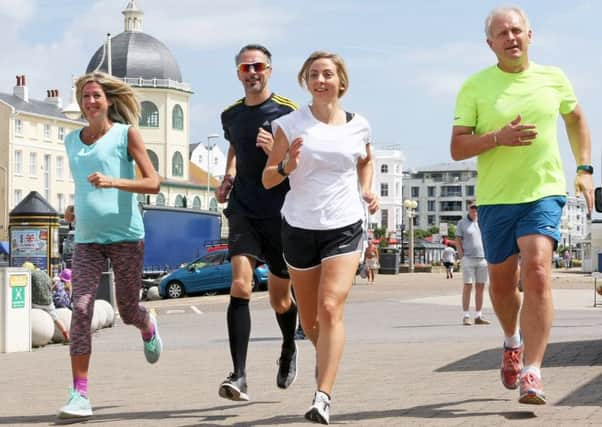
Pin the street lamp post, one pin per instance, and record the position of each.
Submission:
(569, 228)
(410, 206)
(209, 147)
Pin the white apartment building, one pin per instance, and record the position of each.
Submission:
(387, 184)
(442, 192)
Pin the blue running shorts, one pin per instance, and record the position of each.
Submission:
(502, 225)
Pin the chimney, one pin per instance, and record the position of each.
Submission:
(52, 97)
(20, 90)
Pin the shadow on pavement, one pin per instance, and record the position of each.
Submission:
(562, 354)
(423, 411)
(99, 417)
(565, 354)
(586, 395)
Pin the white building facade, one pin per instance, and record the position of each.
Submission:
(388, 184)
(442, 191)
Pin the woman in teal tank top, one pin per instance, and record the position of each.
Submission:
(109, 225)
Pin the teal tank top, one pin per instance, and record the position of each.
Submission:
(103, 215)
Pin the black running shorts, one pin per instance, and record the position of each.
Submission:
(306, 249)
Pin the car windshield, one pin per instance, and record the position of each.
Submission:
(207, 260)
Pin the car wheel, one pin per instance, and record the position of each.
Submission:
(210, 293)
(255, 284)
(175, 289)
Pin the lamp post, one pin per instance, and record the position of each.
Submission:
(410, 206)
(209, 147)
(569, 228)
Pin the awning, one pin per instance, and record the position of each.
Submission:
(4, 249)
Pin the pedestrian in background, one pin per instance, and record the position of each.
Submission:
(326, 151)
(448, 258)
(371, 258)
(61, 289)
(254, 219)
(109, 224)
(506, 115)
(474, 265)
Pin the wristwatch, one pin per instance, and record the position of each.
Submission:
(586, 168)
(281, 170)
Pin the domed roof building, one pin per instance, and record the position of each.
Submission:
(146, 64)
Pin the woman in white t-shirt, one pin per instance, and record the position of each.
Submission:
(325, 152)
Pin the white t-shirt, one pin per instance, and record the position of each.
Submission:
(324, 192)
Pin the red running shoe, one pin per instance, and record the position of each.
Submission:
(531, 391)
(512, 363)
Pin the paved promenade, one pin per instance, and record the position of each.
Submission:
(408, 361)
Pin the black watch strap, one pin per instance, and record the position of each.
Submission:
(281, 170)
(586, 168)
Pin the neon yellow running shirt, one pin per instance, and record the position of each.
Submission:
(492, 98)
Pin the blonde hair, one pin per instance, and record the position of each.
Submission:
(124, 107)
(503, 11)
(303, 75)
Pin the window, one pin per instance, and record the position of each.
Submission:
(431, 205)
(470, 190)
(60, 167)
(415, 192)
(384, 169)
(46, 131)
(384, 218)
(431, 191)
(154, 159)
(384, 189)
(17, 197)
(47, 178)
(61, 202)
(177, 164)
(18, 126)
(18, 163)
(177, 117)
(179, 202)
(431, 220)
(451, 191)
(149, 115)
(213, 205)
(33, 164)
(61, 133)
(450, 206)
(160, 201)
(196, 203)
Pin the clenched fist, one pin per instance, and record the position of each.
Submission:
(221, 193)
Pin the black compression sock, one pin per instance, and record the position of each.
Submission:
(239, 330)
(288, 323)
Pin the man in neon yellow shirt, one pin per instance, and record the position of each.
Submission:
(506, 116)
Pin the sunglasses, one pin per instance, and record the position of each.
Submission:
(258, 67)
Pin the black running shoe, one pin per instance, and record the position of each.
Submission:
(287, 369)
(234, 388)
(319, 411)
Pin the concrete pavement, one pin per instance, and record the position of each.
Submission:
(408, 361)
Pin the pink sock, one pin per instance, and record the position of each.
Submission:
(146, 336)
(81, 386)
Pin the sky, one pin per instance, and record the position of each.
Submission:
(406, 59)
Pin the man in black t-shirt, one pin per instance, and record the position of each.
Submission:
(254, 218)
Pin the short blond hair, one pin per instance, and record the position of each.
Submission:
(303, 75)
(503, 11)
(124, 107)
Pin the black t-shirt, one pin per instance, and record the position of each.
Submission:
(241, 124)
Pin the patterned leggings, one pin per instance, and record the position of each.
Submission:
(89, 261)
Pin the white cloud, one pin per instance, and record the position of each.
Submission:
(16, 11)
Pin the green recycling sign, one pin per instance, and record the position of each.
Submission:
(18, 297)
(18, 284)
